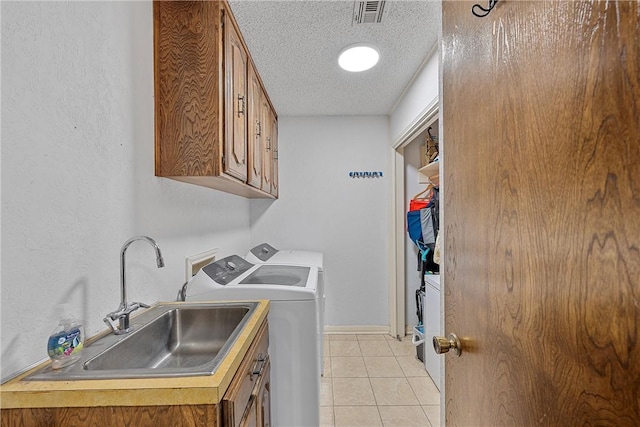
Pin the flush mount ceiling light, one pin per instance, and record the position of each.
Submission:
(358, 57)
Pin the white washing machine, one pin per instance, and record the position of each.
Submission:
(293, 325)
(432, 320)
(267, 254)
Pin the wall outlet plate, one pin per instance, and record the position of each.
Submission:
(194, 263)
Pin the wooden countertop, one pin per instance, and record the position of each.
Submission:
(134, 392)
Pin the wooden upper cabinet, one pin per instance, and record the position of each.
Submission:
(254, 130)
(206, 98)
(235, 75)
(266, 144)
(270, 149)
(274, 152)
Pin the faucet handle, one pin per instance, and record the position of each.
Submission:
(136, 305)
(109, 324)
(115, 315)
(127, 310)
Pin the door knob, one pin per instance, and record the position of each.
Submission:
(443, 345)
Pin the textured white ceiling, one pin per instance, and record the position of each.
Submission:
(295, 46)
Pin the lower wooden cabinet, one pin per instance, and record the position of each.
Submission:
(247, 400)
(258, 410)
(109, 416)
(264, 398)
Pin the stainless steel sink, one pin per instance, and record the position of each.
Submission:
(170, 340)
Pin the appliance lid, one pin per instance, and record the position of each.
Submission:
(298, 258)
(284, 275)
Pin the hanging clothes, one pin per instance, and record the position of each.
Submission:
(423, 226)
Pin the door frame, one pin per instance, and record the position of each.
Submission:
(397, 272)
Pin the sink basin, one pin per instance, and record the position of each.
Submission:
(168, 340)
(179, 338)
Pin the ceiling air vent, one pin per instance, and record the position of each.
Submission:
(368, 12)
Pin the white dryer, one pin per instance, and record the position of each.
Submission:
(293, 347)
(266, 254)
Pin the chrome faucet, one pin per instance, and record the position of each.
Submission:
(125, 308)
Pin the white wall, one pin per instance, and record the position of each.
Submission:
(420, 96)
(322, 209)
(78, 173)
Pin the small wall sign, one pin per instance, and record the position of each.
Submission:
(366, 174)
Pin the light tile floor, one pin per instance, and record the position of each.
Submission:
(376, 380)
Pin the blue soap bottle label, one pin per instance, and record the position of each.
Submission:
(65, 343)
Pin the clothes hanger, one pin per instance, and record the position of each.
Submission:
(429, 188)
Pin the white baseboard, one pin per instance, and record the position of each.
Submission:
(355, 329)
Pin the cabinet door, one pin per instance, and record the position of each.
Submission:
(274, 151)
(250, 417)
(267, 158)
(235, 71)
(264, 396)
(258, 412)
(240, 402)
(254, 130)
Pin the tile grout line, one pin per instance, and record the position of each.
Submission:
(371, 385)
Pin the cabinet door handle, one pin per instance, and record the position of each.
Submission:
(258, 128)
(268, 143)
(275, 154)
(260, 362)
(241, 105)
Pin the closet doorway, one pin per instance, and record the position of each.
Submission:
(405, 277)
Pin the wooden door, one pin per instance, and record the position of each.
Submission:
(541, 224)
(255, 125)
(235, 69)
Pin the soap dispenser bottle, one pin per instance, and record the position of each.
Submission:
(66, 342)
